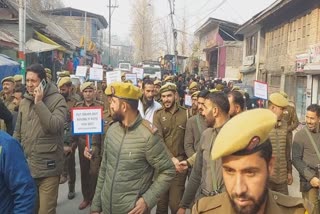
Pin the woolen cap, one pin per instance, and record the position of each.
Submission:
(8, 79)
(193, 85)
(168, 87)
(87, 85)
(17, 77)
(278, 100)
(126, 91)
(168, 78)
(157, 82)
(195, 94)
(64, 80)
(255, 128)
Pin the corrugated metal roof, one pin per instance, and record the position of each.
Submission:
(52, 28)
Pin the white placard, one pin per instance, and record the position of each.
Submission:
(138, 71)
(87, 120)
(187, 100)
(113, 76)
(261, 90)
(132, 78)
(96, 74)
(97, 66)
(158, 75)
(81, 71)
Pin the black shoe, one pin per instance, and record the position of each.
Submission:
(71, 195)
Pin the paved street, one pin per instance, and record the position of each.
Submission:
(71, 206)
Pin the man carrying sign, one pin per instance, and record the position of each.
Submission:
(133, 151)
(89, 168)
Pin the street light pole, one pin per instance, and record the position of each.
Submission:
(109, 32)
(22, 37)
(174, 32)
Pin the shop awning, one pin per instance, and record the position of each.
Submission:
(47, 40)
(35, 46)
(312, 68)
(248, 69)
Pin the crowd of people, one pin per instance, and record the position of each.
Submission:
(213, 155)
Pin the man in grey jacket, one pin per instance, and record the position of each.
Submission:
(133, 152)
(39, 128)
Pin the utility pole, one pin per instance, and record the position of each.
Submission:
(22, 37)
(110, 14)
(174, 32)
(85, 38)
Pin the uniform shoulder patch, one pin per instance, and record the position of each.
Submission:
(79, 103)
(287, 201)
(99, 102)
(152, 128)
(209, 203)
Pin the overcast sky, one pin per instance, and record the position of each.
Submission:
(197, 11)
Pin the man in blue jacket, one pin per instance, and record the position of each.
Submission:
(17, 188)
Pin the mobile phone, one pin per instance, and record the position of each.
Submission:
(43, 84)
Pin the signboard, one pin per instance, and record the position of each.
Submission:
(113, 76)
(81, 71)
(96, 74)
(138, 71)
(132, 78)
(248, 60)
(261, 90)
(97, 66)
(158, 75)
(87, 120)
(314, 52)
(187, 100)
(301, 61)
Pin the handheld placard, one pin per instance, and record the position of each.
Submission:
(89, 141)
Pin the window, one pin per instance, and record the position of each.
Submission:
(251, 45)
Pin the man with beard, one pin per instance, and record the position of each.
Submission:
(206, 174)
(247, 163)
(306, 156)
(89, 168)
(147, 105)
(133, 152)
(236, 101)
(171, 122)
(195, 126)
(65, 89)
(18, 96)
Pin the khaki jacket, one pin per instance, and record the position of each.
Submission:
(172, 129)
(277, 203)
(40, 129)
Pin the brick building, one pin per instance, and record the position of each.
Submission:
(281, 48)
(222, 49)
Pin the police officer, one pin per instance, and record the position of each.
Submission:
(7, 95)
(171, 122)
(157, 86)
(247, 164)
(194, 108)
(281, 146)
(89, 168)
(65, 89)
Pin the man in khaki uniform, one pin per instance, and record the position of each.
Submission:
(157, 86)
(195, 126)
(193, 87)
(247, 163)
(291, 117)
(194, 108)
(65, 89)
(171, 122)
(282, 176)
(206, 176)
(7, 95)
(89, 168)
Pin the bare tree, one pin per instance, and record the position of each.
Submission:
(182, 35)
(45, 4)
(142, 30)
